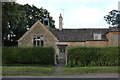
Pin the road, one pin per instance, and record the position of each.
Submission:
(81, 77)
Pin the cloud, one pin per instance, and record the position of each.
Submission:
(77, 13)
(83, 17)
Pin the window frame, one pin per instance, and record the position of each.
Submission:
(38, 40)
(97, 36)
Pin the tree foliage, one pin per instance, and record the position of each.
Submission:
(12, 26)
(17, 19)
(113, 18)
(32, 14)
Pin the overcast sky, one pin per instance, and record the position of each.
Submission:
(77, 13)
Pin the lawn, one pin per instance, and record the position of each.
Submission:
(48, 70)
(28, 70)
(87, 70)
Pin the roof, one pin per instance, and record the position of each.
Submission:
(46, 19)
(70, 35)
(114, 29)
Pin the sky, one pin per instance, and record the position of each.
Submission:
(77, 13)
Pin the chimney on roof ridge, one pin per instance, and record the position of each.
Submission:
(60, 22)
(119, 6)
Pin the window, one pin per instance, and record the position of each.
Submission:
(38, 40)
(97, 36)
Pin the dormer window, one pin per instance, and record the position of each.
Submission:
(97, 36)
(38, 40)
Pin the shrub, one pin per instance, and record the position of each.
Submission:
(28, 55)
(89, 56)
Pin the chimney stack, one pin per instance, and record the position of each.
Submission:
(119, 6)
(60, 22)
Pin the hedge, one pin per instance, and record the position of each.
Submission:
(86, 56)
(28, 55)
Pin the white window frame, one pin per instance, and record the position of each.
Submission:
(38, 40)
(97, 36)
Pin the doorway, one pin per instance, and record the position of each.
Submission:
(62, 54)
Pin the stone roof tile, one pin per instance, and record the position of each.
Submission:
(78, 34)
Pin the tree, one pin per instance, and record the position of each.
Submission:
(17, 19)
(113, 19)
(32, 14)
(12, 26)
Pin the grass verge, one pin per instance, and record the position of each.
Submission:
(48, 70)
(87, 70)
(28, 70)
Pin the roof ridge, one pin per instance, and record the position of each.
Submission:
(85, 28)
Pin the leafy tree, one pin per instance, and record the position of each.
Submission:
(113, 19)
(17, 19)
(32, 14)
(12, 26)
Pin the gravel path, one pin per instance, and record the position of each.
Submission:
(58, 69)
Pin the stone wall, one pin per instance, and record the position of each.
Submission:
(113, 38)
(37, 29)
(86, 43)
(72, 43)
(96, 43)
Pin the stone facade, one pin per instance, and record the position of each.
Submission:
(113, 38)
(37, 29)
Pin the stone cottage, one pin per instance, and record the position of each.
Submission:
(40, 34)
